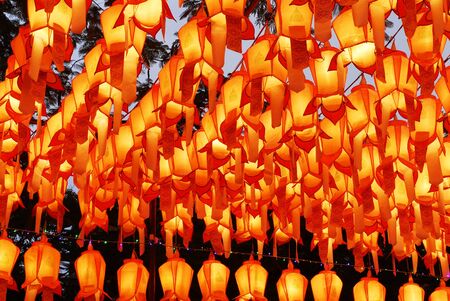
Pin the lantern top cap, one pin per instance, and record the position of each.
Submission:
(442, 283)
(252, 260)
(290, 265)
(393, 46)
(176, 257)
(211, 256)
(4, 233)
(363, 80)
(327, 271)
(44, 238)
(410, 279)
(90, 247)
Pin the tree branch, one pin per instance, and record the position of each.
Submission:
(251, 7)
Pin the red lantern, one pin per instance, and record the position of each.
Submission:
(132, 279)
(213, 278)
(90, 267)
(251, 279)
(176, 276)
(292, 285)
(41, 271)
(8, 257)
(326, 286)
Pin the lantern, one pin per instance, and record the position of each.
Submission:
(8, 257)
(90, 268)
(251, 279)
(356, 41)
(213, 278)
(369, 289)
(41, 271)
(442, 293)
(326, 286)
(132, 278)
(176, 276)
(411, 291)
(292, 285)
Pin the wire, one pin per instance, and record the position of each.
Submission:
(157, 243)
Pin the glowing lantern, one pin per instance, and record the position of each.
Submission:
(356, 41)
(326, 286)
(251, 279)
(132, 278)
(41, 271)
(90, 267)
(8, 257)
(213, 279)
(442, 293)
(369, 289)
(411, 291)
(176, 276)
(292, 285)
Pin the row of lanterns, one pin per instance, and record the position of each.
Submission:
(371, 161)
(42, 268)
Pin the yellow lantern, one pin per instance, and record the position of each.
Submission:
(292, 285)
(132, 278)
(41, 271)
(251, 279)
(213, 279)
(8, 257)
(176, 276)
(326, 286)
(411, 291)
(369, 289)
(90, 267)
(442, 293)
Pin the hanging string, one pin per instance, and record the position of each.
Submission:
(209, 250)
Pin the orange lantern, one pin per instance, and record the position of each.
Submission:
(326, 286)
(132, 278)
(442, 293)
(90, 268)
(356, 41)
(8, 257)
(292, 285)
(369, 289)
(251, 279)
(411, 291)
(213, 278)
(41, 271)
(176, 276)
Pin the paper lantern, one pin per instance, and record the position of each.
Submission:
(251, 279)
(356, 41)
(329, 81)
(326, 286)
(292, 285)
(293, 20)
(411, 291)
(213, 279)
(132, 280)
(369, 289)
(176, 276)
(442, 293)
(41, 271)
(90, 268)
(8, 257)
